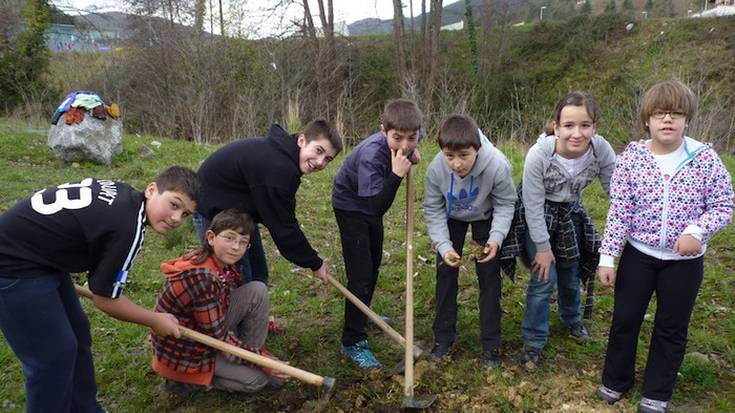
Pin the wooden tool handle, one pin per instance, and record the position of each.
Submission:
(294, 372)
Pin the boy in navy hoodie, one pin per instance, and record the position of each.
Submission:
(363, 190)
(469, 183)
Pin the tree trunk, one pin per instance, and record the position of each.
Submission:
(432, 53)
(399, 40)
(487, 15)
(201, 9)
(221, 20)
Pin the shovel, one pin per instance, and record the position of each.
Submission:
(411, 401)
(372, 315)
(325, 383)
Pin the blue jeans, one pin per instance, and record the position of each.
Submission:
(252, 265)
(535, 326)
(48, 331)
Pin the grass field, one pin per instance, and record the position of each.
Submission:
(313, 311)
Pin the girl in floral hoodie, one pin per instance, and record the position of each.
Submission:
(669, 195)
(204, 291)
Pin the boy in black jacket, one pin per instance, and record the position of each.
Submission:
(260, 176)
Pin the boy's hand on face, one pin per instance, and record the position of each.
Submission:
(415, 157)
(490, 251)
(399, 163)
(452, 259)
(606, 276)
(542, 263)
(165, 324)
(322, 272)
(687, 245)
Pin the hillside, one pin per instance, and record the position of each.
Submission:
(520, 11)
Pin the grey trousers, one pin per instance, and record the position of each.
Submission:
(247, 317)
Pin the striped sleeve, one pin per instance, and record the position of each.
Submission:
(116, 256)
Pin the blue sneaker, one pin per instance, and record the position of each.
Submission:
(387, 320)
(361, 355)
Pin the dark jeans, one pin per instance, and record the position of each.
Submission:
(362, 249)
(47, 329)
(676, 284)
(491, 285)
(252, 265)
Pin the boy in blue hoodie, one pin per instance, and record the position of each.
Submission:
(363, 191)
(468, 183)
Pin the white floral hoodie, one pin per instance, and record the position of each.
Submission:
(654, 211)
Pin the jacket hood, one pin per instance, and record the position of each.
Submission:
(484, 155)
(176, 266)
(691, 146)
(285, 142)
(547, 143)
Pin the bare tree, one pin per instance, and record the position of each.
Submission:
(399, 36)
(487, 23)
(199, 11)
(221, 20)
(432, 53)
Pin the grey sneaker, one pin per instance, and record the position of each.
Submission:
(609, 395)
(647, 405)
(579, 332)
(492, 359)
(440, 351)
(531, 356)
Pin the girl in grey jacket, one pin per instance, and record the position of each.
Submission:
(557, 168)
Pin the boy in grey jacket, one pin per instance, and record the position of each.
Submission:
(468, 183)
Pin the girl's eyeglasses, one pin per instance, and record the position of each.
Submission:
(231, 240)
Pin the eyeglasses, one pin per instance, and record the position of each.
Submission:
(675, 114)
(231, 240)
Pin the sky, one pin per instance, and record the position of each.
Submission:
(345, 10)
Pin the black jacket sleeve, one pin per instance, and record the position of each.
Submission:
(381, 202)
(277, 210)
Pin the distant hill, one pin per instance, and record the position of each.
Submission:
(518, 12)
(451, 13)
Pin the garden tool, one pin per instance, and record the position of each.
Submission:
(326, 384)
(396, 336)
(411, 401)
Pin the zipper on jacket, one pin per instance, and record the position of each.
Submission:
(665, 212)
(664, 215)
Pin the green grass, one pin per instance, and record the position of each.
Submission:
(313, 312)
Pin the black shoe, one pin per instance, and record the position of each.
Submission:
(492, 359)
(531, 357)
(440, 351)
(579, 332)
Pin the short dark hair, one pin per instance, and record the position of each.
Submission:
(179, 179)
(669, 95)
(459, 132)
(319, 129)
(401, 115)
(233, 219)
(576, 98)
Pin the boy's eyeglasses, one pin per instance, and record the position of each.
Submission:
(230, 240)
(675, 114)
